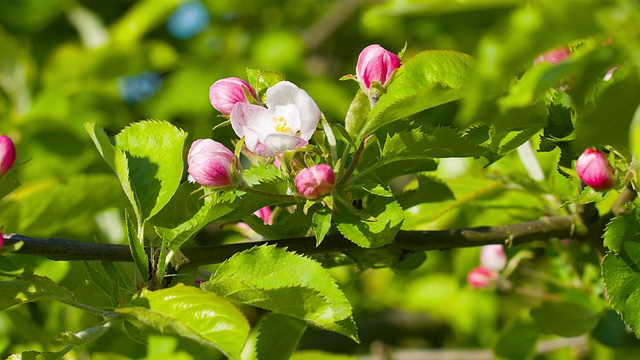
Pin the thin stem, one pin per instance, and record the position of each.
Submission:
(292, 198)
(331, 139)
(355, 159)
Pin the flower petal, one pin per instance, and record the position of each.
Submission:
(243, 113)
(281, 142)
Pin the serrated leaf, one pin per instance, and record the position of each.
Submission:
(414, 151)
(321, 223)
(274, 279)
(34, 288)
(189, 312)
(565, 318)
(275, 337)
(624, 227)
(216, 204)
(288, 225)
(429, 79)
(620, 269)
(154, 158)
(261, 80)
(384, 218)
(357, 114)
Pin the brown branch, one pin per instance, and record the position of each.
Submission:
(544, 229)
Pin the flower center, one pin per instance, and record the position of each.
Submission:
(280, 124)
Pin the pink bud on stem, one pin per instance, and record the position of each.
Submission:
(225, 93)
(493, 257)
(594, 170)
(316, 181)
(212, 165)
(7, 154)
(375, 63)
(481, 277)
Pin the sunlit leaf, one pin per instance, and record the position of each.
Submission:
(285, 283)
(189, 312)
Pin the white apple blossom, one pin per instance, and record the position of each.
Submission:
(288, 121)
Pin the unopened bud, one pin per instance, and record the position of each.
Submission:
(316, 181)
(375, 63)
(481, 277)
(7, 154)
(493, 257)
(225, 93)
(212, 165)
(594, 170)
(553, 56)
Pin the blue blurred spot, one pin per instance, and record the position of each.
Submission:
(188, 20)
(139, 87)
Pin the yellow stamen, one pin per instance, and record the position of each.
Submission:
(280, 124)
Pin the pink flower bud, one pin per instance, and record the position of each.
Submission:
(493, 257)
(316, 181)
(553, 56)
(594, 170)
(225, 93)
(481, 277)
(212, 165)
(375, 63)
(265, 214)
(1, 239)
(7, 154)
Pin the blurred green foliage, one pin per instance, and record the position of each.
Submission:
(64, 63)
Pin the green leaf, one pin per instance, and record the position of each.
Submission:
(189, 312)
(609, 123)
(620, 268)
(100, 280)
(102, 142)
(180, 222)
(374, 226)
(527, 33)
(136, 246)
(425, 189)
(357, 114)
(286, 224)
(321, 223)
(8, 182)
(429, 79)
(154, 157)
(565, 318)
(286, 283)
(34, 288)
(261, 80)
(135, 333)
(275, 337)
(517, 341)
(622, 229)
(56, 206)
(87, 335)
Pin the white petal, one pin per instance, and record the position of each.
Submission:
(242, 114)
(286, 93)
(281, 142)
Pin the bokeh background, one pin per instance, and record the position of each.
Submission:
(67, 62)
